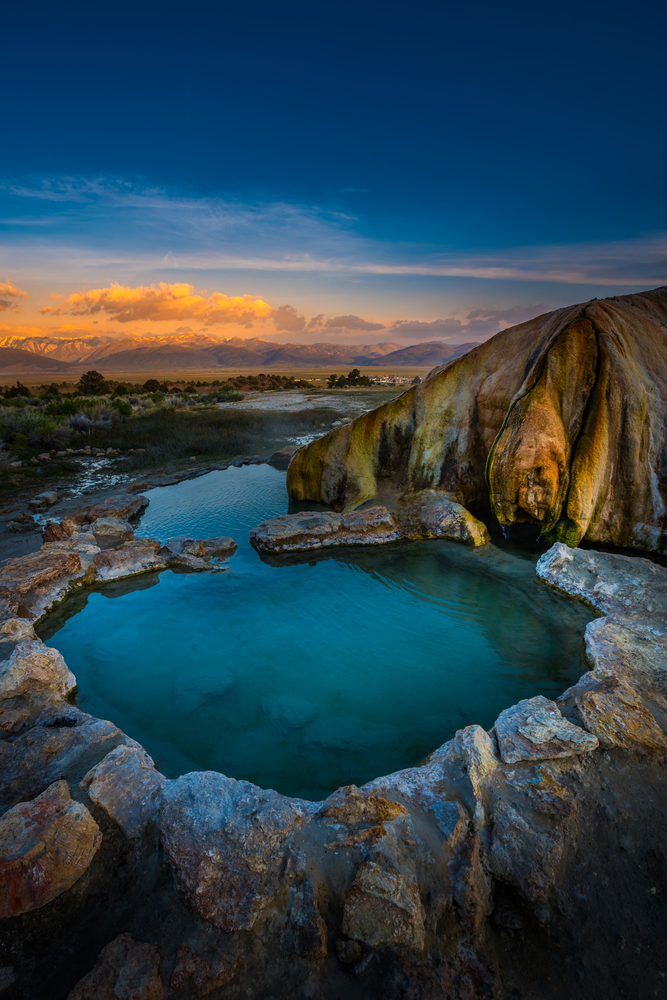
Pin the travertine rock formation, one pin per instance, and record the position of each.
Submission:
(559, 422)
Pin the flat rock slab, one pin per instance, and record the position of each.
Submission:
(137, 556)
(202, 548)
(23, 575)
(126, 785)
(106, 529)
(630, 588)
(123, 506)
(313, 530)
(534, 729)
(431, 514)
(45, 846)
(126, 970)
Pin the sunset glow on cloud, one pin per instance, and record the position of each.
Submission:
(163, 302)
(9, 292)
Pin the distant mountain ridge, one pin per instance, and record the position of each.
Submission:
(201, 352)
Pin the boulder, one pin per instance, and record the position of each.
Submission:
(45, 846)
(226, 841)
(43, 501)
(559, 423)
(383, 907)
(125, 970)
(534, 729)
(126, 785)
(431, 514)
(111, 529)
(200, 969)
(615, 714)
(310, 530)
(28, 665)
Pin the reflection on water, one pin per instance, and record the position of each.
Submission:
(307, 673)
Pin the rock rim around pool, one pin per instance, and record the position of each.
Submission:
(410, 875)
(433, 514)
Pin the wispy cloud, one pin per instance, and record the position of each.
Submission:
(99, 218)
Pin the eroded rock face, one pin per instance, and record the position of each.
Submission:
(45, 847)
(383, 907)
(123, 506)
(431, 514)
(310, 530)
(226, 841)
(559, 422)
(126, 970)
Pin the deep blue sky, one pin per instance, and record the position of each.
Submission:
(419, 129)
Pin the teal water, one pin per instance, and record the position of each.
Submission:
(311, 672)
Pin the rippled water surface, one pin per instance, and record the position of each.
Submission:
(306, 674)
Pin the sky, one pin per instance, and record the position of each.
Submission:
(352, 172)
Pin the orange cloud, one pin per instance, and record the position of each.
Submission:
(8, 290)
(163, 302)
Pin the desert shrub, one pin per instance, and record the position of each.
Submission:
(168, 433)
(98, 416)
(32, 429)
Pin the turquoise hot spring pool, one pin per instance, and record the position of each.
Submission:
(310, 672)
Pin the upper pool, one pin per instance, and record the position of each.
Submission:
(310, 674)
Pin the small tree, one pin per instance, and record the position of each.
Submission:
(93, 384)
(151, 385)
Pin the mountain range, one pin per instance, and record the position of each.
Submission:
(158, 355)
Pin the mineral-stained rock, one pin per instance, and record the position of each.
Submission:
(32, 666)
(431, 514)
(125, 970)
(522, 856)
(308, 530)
(474, 747)
(383, 907)
(106, 529)
(36, 758)
(126, 785)
(544, 789)
(137, 556)
(55, 532)
(26, 576)
(123, 506)
(45, 846)
(534, 729)
(618, 650)
(558, 422)
(226, 841)
(201, 970)
(616, 715)
(349, 805)
(305, 933)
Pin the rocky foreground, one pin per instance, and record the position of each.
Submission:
(526, 862)
(558, 423)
